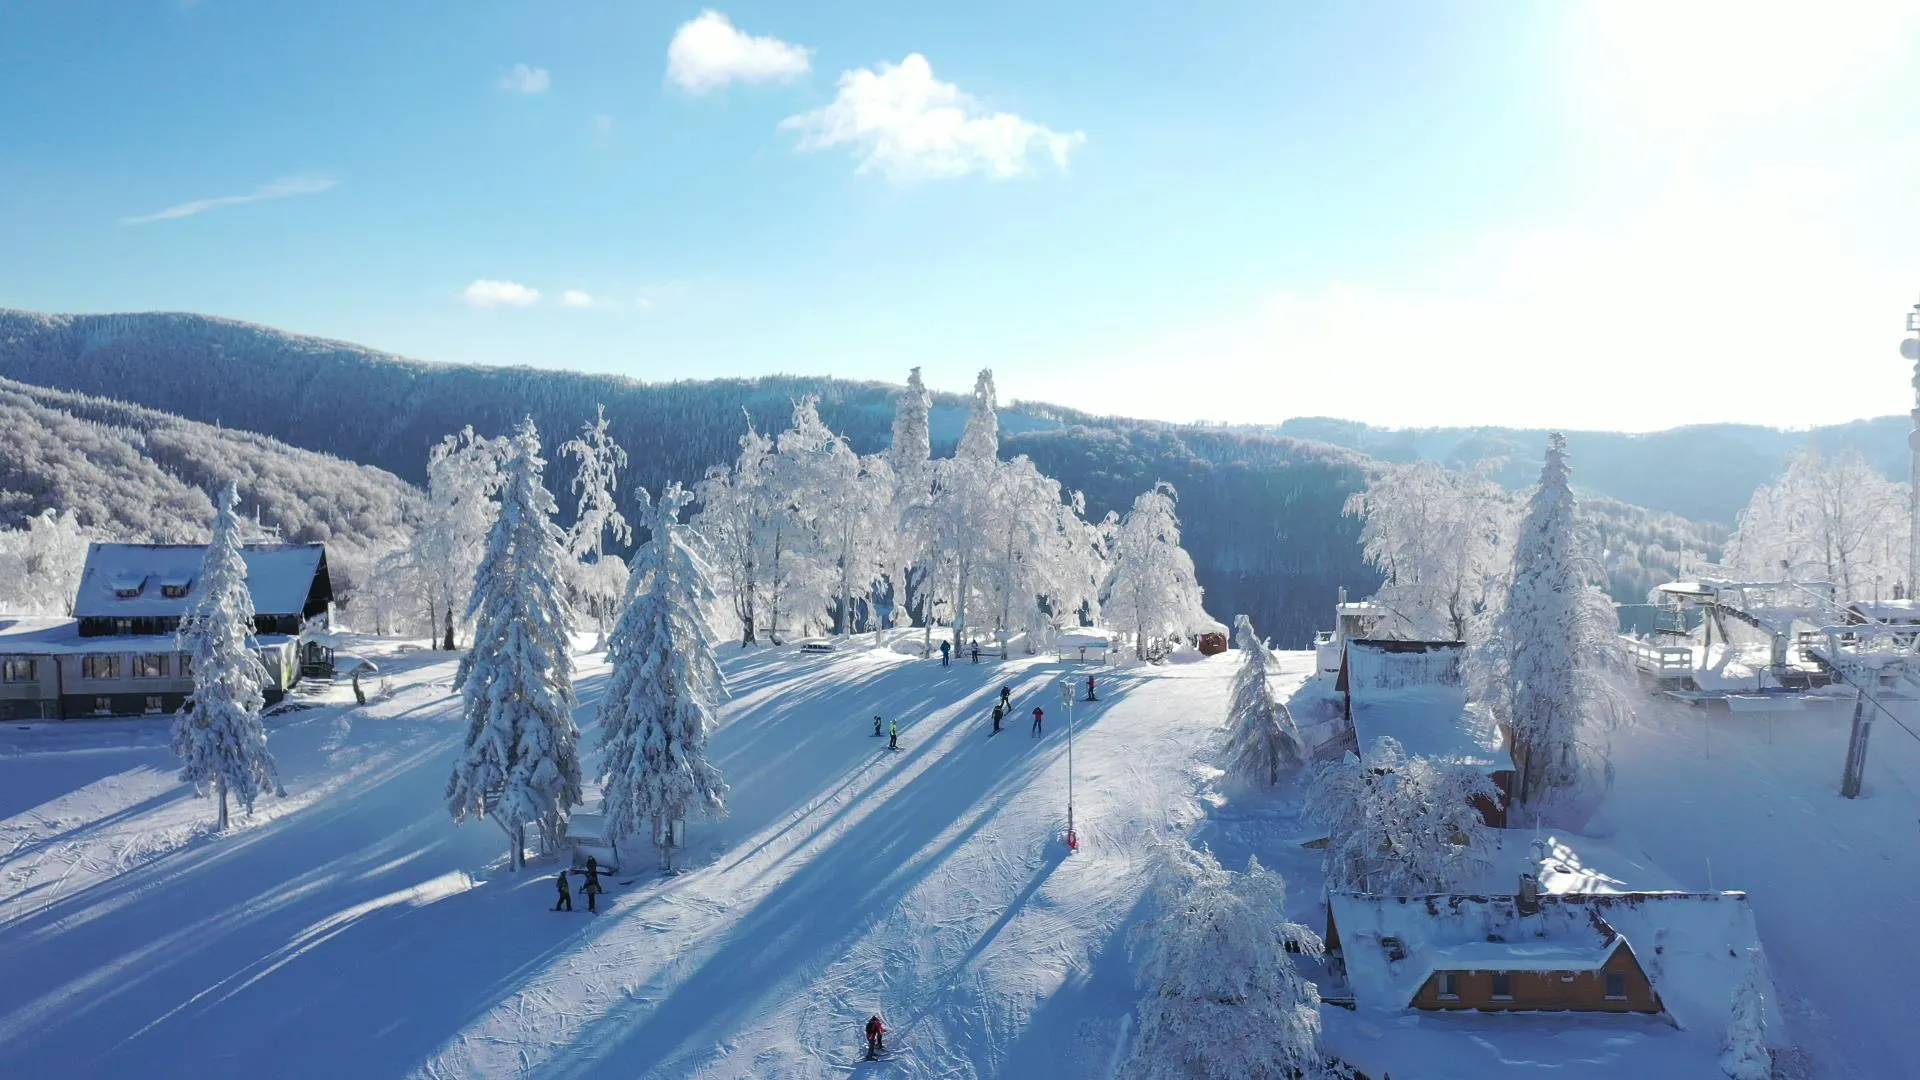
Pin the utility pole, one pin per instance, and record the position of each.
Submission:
(1066, 696)
(1857, 745)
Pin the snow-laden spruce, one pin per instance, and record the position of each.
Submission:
(1400, 825)
(1443, 539)
(1743, 1046)
(40, 563)
(597, 580)
(521, 761)
(1150, 590)
(662, 689)
(1542, 675)
(1263, 742)
(1222, 999)
(218, 734)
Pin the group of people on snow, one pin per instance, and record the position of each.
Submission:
(592, 888)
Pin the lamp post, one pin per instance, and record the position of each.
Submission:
(1067, 699)
(1910, 348)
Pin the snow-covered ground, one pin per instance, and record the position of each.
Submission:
(352, 930)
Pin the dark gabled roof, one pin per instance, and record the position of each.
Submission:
(280, 577)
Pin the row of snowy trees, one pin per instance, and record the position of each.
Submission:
(1827, 517)
(807, 536)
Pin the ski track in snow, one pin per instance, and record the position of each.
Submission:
(352, 930)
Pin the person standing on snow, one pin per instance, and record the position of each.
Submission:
(946, 654)
(976, 650)
(592, 888)
(876, 727)
(1037, 717)
(565, 903)
(1006, 697)
(998, 712)
(876, 1037)
(893, 735)
(1090, 696)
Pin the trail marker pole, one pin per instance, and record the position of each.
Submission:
(1066, 696)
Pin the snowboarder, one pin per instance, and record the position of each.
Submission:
(946, 654)
(1037, 717)
(1090, 696)
(998, 712)
(877, 731)
(893, 735)
(876, 1038)
(976, 650)
(565, 903)
(1006, 697)
(592, 888)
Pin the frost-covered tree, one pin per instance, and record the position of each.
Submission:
(463, 474)
(521, 760)
(599, 581)
(662, 691)
(1553, 632)
(1150, 589)
(1222, 999)
(909, 459)
(964, 492)
(40, 564)
(737, 524)
(1400, 825)
(1830, 518)
(1442, 538)
(1743, 1045)
(218, 734)
(1263, 742)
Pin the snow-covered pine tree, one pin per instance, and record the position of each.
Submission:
(1150, 589)
(664, 686)
(521, 762)
(1399, 825)
(1743, 1046)
(909, 457)
(218, 734)
(1556, 627)
(963, 498)
(1263, 743)
(599, 581)
(1222, 998)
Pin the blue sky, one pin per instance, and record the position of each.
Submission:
(1604, 215)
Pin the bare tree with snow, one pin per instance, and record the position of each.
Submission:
(1150, 589)
(1743, 1045)
(40, 563)
(217, 734)
(662, 692)
(1400, 825)
(1443, 539)
(521, 759)
(599, 581)
(1263, 743)
(909, 460)
(1831, 518)
(463, 475)
(1222, 997)
(736, 526)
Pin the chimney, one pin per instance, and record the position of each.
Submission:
(1343, 594)
(1528, 902)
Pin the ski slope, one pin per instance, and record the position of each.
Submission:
(353, 930)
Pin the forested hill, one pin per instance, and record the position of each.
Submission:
(1262, 513)
(136, 473)
(1706, 472)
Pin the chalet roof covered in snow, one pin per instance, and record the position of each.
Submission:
(33, 636)
(1413, 692)
(1693, 946)
(148, 580)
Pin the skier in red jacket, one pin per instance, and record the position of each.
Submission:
(876, 1037)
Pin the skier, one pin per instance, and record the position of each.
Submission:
(893, 735)
(876, 727)
(592, 887)
(876, 1038)
(565, 903)
(1006, 697)
(1090, 696)
(1037, 717)
(946, 654)
(998, 712)
(976, 650)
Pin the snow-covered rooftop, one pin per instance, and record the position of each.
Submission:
(1413, 692)
(56, 637)
(280, 576)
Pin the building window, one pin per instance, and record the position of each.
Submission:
(1396, 949)
(150, 666)
(19, 669)
(100, 666)
(123, 626)
(1502, 986)
(1616, 988)
(186, 665)
(153, 704)
(1449, 986)
(173, 592)
(102, 706)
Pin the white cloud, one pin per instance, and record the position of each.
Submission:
(486, 293)
(283, 188)
(576, 299)
(908, 125)
(708, 52)
(526, 80)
